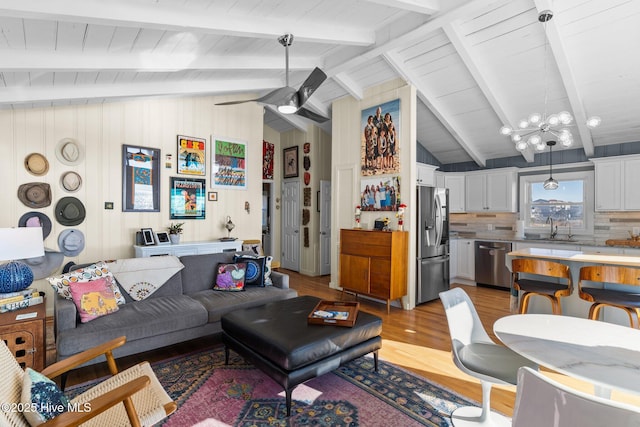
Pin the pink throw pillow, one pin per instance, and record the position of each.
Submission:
(93, 299)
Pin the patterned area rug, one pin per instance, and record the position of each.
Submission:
(210, 394)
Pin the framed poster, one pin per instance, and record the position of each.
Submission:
(268, 151)
(192, 155)
(380, 194)
(290, 162)
(380, 139)
(212, 196)
(229, 163)
(140, 179)
(187, 198)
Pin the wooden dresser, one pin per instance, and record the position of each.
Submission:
(374, 263)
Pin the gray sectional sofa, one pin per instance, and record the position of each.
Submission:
(184, 308)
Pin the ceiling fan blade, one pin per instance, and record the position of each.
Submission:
(277, 96)
(311, 115)
(235, 102)
(310, 85)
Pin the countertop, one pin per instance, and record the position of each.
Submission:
(559, 241)
(578, 256)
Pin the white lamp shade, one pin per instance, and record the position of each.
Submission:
(21, 243)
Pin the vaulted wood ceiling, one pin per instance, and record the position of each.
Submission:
(475, 63)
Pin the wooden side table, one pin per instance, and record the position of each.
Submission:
(24, 333)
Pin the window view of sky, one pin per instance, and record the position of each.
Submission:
(565, 205)
(567, 191)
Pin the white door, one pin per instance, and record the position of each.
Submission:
(325, 227)
(291, 225)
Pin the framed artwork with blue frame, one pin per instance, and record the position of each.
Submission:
(187, 198)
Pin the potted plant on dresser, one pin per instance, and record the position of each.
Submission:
(175, 230)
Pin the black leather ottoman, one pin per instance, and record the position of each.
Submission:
(276, 338)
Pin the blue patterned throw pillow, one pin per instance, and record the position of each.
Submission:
(43, 398)
(254, 275)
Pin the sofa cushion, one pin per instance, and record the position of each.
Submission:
(42, 397)
(93, 299)
(200, 270)
(230, 277)
(219, 303)
(267, 271)
(94, 271)
(150, 317)
(255, 269)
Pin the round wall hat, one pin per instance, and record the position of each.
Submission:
(71, 242)
(36, 164)
(70, 211)
(70, 181)
(35, 194)
(69, 152)
(45, 265)
(36, 219)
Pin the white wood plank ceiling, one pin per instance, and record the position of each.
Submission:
(475, 63)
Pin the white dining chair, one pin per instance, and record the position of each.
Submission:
(474, 353)
(542, 401)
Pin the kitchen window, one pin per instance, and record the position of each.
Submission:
(570, 206)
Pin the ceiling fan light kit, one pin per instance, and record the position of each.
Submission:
(532, 131)
(287, 99)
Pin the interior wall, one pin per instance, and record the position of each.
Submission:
(101, 130)
(346, 160)
(273, 136)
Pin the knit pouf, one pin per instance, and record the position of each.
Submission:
(15, 276)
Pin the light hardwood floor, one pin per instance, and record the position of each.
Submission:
(417, 340)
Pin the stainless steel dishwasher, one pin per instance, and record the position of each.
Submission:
(491, 269)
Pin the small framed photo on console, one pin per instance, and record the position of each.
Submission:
(147, 237)
(162, 237)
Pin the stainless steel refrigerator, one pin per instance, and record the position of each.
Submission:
(432, 270)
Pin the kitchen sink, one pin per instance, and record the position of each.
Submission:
(548, 239)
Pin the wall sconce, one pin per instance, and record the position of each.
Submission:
(247, 207)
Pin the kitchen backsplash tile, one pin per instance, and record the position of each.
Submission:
(607, 225)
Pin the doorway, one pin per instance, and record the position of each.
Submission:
(267, 214)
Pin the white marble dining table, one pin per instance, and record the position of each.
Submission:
(605, 354)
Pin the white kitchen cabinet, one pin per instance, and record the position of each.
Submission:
(453, 259)
(466, 262)
(425, 174)
(491, 191)
(456, 185)
(440, 179)
(616, 183)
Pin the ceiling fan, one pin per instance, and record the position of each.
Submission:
(287, 99)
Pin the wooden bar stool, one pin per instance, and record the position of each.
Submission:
(629, 301)
(531, 287)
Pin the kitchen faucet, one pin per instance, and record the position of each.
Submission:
(554, 232)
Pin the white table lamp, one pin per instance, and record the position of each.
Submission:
(18, 243)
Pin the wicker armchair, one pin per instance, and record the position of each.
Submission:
(132, 397)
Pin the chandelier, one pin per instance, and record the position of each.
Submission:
(533, 131)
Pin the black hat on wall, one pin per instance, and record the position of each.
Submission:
(70, 211)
